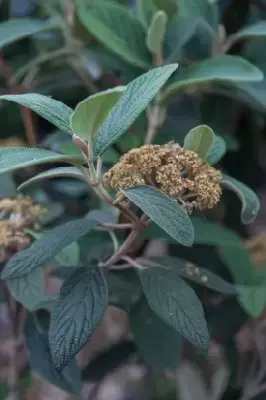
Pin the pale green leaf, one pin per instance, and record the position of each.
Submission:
(116, 28)
(156, 32)
(217, 150)
(176, 303)
(222, 68)
(158, 343)
(206, 10)
(164, 211)
(12, 158)
(60, 172)
(90, 113)
(137, 96)
(68, 380)
(249, 199)
(28, 289)
(200, 140)
(77, 312)
(47, 247)
(52, 110)
(19, 28)
(252, 31)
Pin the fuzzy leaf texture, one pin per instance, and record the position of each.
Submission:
(249, 199)
(68, 380)
(200, 140)
(12, 158)
(117, 29)
(47, 247)
(219, 69)
(156, 32)
(60, 172)
(176, 303)
(158, 343)
(20, 28)
(135, 99)
(52, 110)
(90, 113)
(78, 310)
(164, 211)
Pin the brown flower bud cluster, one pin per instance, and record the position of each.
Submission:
(15, 216)
(179, 173)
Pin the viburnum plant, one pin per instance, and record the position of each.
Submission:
(151, 186)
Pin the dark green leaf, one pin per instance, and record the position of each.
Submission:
(116, 28)
(249, 199)
(90, 114)
(28, 289)
(47, 247)
(78, 310)
(176, 303)
(156, 32)
(12, 158)
(217, 150)
(52, 110)
(217, 69)
(41, 362)
(60, 172)
(157, 342)
(190, 271)
(20, 28)
(137, 96)
(164, 211)
(200, 140)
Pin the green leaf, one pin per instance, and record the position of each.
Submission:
(60, 172)
(145, 11)
(222, 68)
(52, 110)
(197, 274)
(78, 310)
(176, 303)
(252, 31)
(170, 7)
(158, 343)
(27, 289)
(249, 199)
(217, 150)
(90, 113)
(137, 96)
(156, 32)
(46, 248)
(200, 140)
(20, 28)
(206, 10)
(38, 349)
(69, 256)
(164, 211)
(117, 29)
(12, 158)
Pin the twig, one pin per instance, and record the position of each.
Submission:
(116, 226)
(26, 114)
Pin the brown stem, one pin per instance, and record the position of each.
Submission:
(26, 114)
(123, 249)
(116, 226)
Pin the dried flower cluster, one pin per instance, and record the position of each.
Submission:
(15, 216)
(179, 173)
